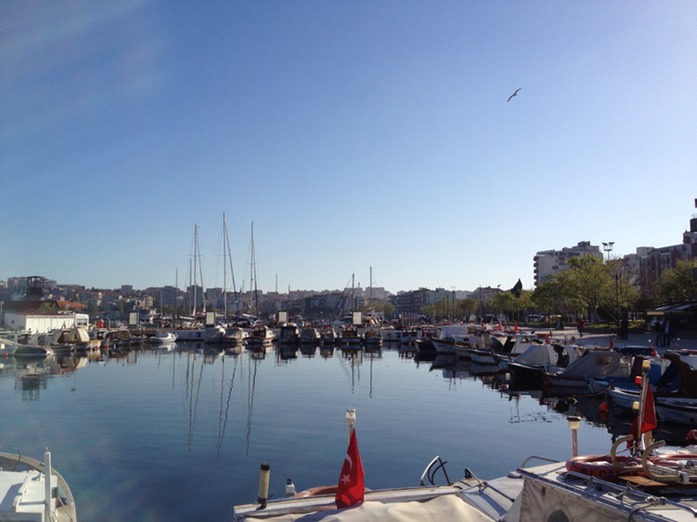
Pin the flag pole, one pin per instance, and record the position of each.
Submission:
(640, 442)
(350, 420)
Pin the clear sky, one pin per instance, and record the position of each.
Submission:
(353, 134)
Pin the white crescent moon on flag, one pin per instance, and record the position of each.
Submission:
(348, 459)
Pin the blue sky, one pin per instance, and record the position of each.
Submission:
(353, 134)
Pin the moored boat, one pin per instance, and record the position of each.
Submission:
(261, 337)
(163, 337)
(32, 490)
(310, 335)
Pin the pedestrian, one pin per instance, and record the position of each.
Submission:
(580, 324)
(624, 327)
(658, 328)
(666, 332)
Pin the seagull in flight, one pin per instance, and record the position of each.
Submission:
(514, 94)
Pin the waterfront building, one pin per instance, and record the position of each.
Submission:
(550, 262)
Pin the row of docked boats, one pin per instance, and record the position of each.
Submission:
(525, 361)
(58, 341)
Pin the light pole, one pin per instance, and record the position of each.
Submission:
(607, 247)
(2, 317)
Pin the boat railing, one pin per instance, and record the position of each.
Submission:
(536, 457)
(646, 499)
(481, 485)
(437, 464)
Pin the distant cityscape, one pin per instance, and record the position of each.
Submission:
(643, 268)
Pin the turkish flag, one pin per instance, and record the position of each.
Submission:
(351, 489)
(650, 422)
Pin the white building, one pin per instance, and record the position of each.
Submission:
(41, 323)
(550, 262)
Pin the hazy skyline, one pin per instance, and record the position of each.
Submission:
(353, 134)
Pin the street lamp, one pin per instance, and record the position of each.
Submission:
(607, 247)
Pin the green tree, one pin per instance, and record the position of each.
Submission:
(676, 285)
(466, 307)
(548, 296)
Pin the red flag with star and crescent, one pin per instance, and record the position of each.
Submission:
(351, 488)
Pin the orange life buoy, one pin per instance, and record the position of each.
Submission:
(602, 466)
(319, 490)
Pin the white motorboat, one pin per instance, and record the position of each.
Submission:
(31, 490)
(163, 337)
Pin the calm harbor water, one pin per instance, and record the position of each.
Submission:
(179, 435)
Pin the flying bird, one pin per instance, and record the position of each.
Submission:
(514, 94)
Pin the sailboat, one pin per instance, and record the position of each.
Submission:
(195, 332)
(234, 336)
(262, 336)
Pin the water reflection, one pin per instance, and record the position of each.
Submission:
(31, 374)
(594, 408)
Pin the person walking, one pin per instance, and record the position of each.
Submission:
(580, 324)
(658, 328)
(666, 332)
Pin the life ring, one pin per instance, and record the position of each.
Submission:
(316, 491)
(602, 466)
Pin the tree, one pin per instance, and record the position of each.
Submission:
(548, 296)
(466, 307)
(590, 286)
(676, 285)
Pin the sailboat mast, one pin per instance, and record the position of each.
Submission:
(224, 267)
(193, 310)
(232, 271)
(200, 269)
(192, 298)
(253, 275)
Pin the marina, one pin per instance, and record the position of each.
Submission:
(180, 429)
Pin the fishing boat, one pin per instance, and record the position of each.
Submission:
(31, 490)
